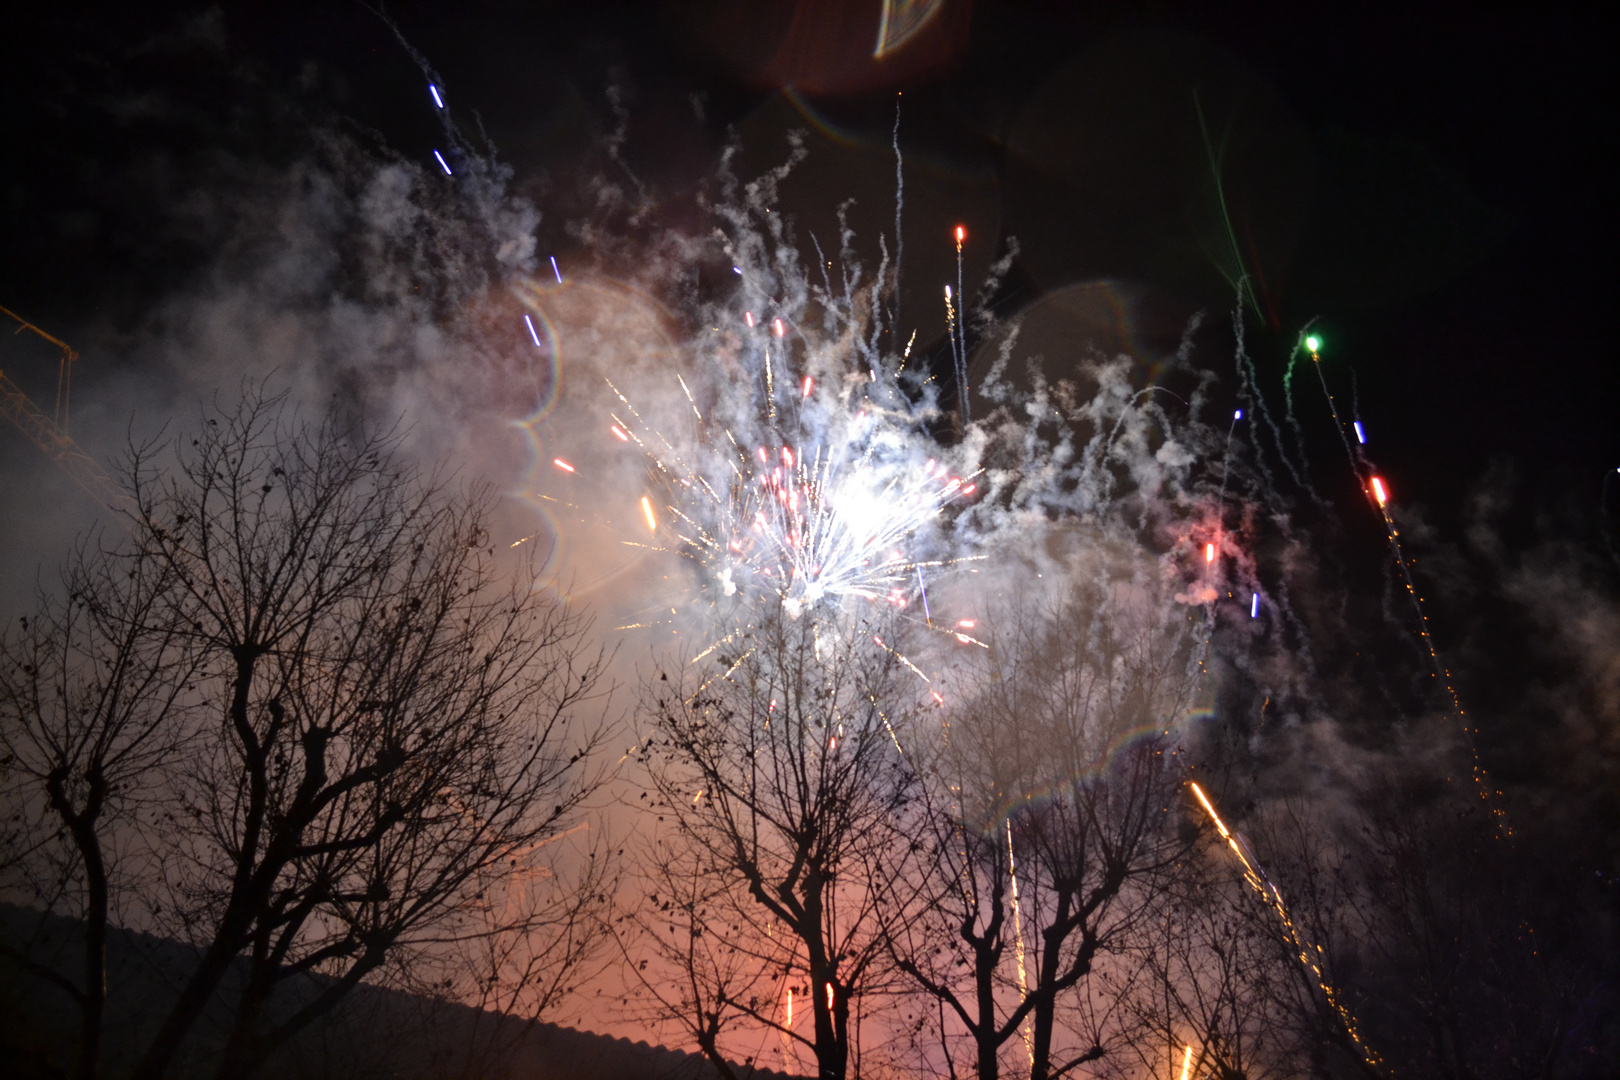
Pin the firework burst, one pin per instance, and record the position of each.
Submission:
(842, 518)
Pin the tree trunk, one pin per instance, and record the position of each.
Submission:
(82, 828)
(984, 1033)
(831, 1051)
(194, 998)
(95, 964)
(244, 899)
(1045, 1009)
(240, 1047)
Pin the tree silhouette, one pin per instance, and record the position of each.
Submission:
(375, 729)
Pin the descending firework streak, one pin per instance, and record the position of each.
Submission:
(1375, 485)
(1310, 956)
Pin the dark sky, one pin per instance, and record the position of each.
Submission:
(1425, 179)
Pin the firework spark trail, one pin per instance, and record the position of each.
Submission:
(1363, 470)
(899, 209)
(958, 324)
(1018, 926)
(1255, 875)
(1249, 391)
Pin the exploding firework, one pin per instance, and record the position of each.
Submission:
(839, 519)
(799, 473)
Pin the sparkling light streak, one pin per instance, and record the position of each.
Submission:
(556, 271)
(1186, 1062)
(956, 330)
(442, 163)
(1363, 468)
(1363, 471)
(1254, 607)
(647, 512)
(533, 333)
(561, 464)
(437, 100)
(1018, 928)
(1255, 875)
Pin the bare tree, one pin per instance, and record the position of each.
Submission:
(785, 792)
(377, 728)
(90, 687)
(1050, 835)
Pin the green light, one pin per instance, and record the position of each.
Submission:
(1313, 343)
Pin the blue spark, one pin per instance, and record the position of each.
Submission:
(442, 164)
(532, 332)
(437, 100)
(1254, 607)
(1361, 436)
(556, 271)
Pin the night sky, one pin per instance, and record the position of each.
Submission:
(1427, 182)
